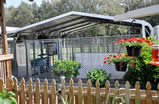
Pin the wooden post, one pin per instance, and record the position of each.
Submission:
(4, 37)
(3, 28)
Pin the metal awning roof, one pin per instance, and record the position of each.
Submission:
(71, 22)
(138, 13)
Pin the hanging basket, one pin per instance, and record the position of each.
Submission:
(121, 66)
(133, 50)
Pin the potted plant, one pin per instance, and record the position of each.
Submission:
(67, 68)
(120, 60)
(134, 45)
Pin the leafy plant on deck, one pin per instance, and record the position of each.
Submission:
(7, 97)
(67, 68)
(98, 74)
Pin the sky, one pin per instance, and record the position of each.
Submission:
(16, 3)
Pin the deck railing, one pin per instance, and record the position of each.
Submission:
(35, 94)
(5, 66)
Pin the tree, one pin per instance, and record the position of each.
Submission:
(20, 16)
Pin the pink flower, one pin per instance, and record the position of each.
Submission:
(118, 53)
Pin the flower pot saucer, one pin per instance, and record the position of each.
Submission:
(154, 63)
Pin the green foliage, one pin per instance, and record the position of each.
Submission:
(66, 101)
(143, 71)
(98, 74)
(7, 97)
(115, 98)
(67, 68)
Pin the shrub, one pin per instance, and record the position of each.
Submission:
(143, 71)
(66, 68)
(7, 97)
(98, 74)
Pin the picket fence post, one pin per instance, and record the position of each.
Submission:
(137, 93)
(117, 91)
(15, 88)
(53, 93)
(88, 97)
(107, 85)
(127, 93)
(98, 92)
(148, 93)
(29, 91)
(22, 93)
(9, 83)
(62, 88)
(80, 92)
(37, 92)
(45, 92)
(71, 97)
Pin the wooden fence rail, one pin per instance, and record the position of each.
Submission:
(5, 66)
(36, 94)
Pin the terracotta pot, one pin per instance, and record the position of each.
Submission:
(120, 66)
(133, 50)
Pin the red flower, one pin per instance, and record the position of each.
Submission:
(133, 37)
(114, 56)
(142, 50)
(106, 58)
(110, 55)
(132, 64)
(120, 63)
(105, 62)
(114, 41)
(126, 54)
(119, 41)
(126, 39)
(140, 41)
(148, 41)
